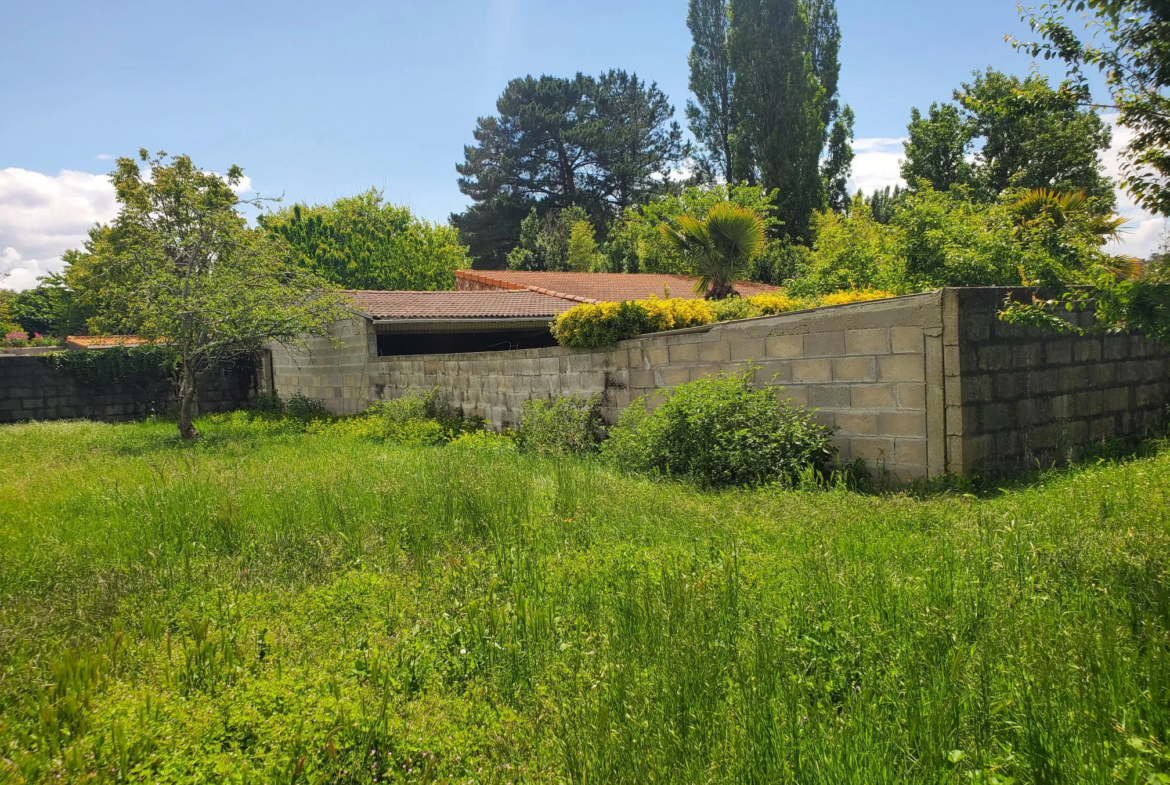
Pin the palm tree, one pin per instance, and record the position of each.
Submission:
(720, 246)
(1042, 205)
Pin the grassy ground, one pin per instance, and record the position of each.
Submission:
(277, 607)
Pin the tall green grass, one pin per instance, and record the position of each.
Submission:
(268, 606)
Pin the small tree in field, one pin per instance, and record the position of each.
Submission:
(179, 265)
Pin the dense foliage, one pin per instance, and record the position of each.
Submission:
(636, 245)
(116, 364)
(765, 78)
(50, 308)
(595, 325)
(947, 238)
(558, 241)
(1129, 42)
(180, 265)
(720, 431)
(600, 143)
(561, 425)
(360, 242)
(1005, 133)
(719, 246)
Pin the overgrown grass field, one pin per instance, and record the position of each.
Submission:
(270, 606)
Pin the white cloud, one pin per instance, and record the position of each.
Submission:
(103, 157)
(875, 164)
(42, 216)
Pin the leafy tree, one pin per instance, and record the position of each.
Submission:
(7, 320)
(720, 247)
(784, 57)
(49, 308)
(546, 241)
(360, 242)
(937, 148)
(1003, 133)
(1130, 45)
(601, 144)
(946, 238)
(837, 166)
(710, 115)
(883, 201)
(583, 256)
(852, 251)
(635, 244)
(180, 265)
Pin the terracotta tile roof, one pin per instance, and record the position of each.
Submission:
(596, 287)
(458, 305)
(102, 341)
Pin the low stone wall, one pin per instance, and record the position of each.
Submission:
(31, 390)
(1018, 397)
(863, 366)
(923, 385)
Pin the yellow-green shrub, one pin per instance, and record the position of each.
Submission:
(592, 325)
(854, 296)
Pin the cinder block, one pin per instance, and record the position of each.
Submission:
(902, 424)
(908, 340)
(872, 396)
(871, 341)
(855, 369)
(796, 396)
(714, 352)
(856, 424)
(1027, 355)
(703, 371)
(683, 353)
(873, 450)
(996, 357)
(1058, 352)
(670, 377)
(911, 396)
(642, 380)
(779, 372)
(1116, 347)
(1087, 350)
(910, 452)
(902, 368)
(781, 346)
(812, 371)
(828, 396)
(747, 349)
(1117, 399)
(824, 344)
(657, 355)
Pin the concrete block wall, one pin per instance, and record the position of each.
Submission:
(862, 366)
(1018, 397)
(333, 368)
(922, 385)
(31, 390)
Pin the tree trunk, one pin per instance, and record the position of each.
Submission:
(187, 403)
(720, 290)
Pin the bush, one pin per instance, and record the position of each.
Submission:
(854, 296)
(720, 432)
(486, 441)
(592, 326)
(301, 407)
(560, 426)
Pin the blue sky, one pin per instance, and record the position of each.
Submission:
(318, 101)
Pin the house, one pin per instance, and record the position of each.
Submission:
(503, 310)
